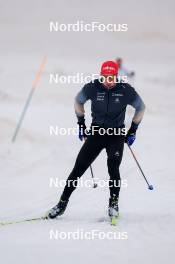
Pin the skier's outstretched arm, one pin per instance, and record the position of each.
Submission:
(80, 100)
(139, 106)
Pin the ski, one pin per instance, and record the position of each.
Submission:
(113, 220)
(22, 221)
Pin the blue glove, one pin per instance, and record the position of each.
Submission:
(81, 132)
(130, 139)
(131, 135)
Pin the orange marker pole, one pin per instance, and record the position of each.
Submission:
(34, 85)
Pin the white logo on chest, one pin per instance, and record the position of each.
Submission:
(117, 100)
(100, 96)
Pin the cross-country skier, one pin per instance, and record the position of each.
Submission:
(109, 100)
(122, 70)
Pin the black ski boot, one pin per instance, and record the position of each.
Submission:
(113, 209)
(58, 209)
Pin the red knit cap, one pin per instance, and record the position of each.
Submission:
(109, 68)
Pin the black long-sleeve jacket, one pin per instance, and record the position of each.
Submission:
(108, 106)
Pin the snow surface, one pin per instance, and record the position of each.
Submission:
(27, 165)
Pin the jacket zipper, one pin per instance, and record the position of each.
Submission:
(108, 102)
(106, 115)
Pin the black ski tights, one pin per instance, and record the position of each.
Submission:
(91, 148)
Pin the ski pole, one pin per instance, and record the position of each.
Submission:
(150, 187)
(92, 174)
(35, 82)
